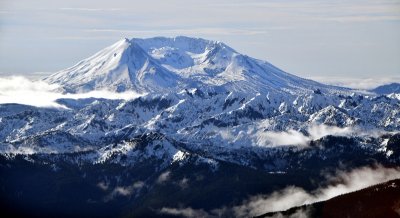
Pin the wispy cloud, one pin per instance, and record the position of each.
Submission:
(5, 12)
(30, 76)
(362, 18)
(343, 11)
(185, 212)
(124, 191)
(164, 177)
(185, 31)
(341, 183)
(38, 93)
(92, 9)
(358, 83)
(257, 136)
(292, 137)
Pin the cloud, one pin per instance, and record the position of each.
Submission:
(341, 11)
(277, 201)
(5, 12)
(319, 131)
(124, 191)
(120, 190)
(184, 183)
(293, 137)
(92, 9)
(164, 177)
(188, 31)
(21, 90)
(314, 132)
(102, 185)
(341, 183)
(185, 212)
(357, 83)
(258, 135)
(21, 83)
(364, 18)
(297, 214)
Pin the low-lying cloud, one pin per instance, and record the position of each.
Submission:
(357, 83)
(123, 191)
(164, 177)
(293, 137)
(343, 182)
(292, 196)
(21, 90)
(185, 212)
(300, 137)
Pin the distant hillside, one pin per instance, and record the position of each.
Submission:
(382, 200)
(387, 89)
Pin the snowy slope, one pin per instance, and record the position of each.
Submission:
(387, 89)
(224, 125)
(120, 67)
(171, 64)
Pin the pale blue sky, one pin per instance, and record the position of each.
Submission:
(336, 38)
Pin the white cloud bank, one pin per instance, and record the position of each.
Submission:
(343, 182)
(164, 177)
(124, 191)
(21, 90)
(358, 83)
(293, 137)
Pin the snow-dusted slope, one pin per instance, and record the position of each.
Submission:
(120, 67)
(219, 125)
(202, 97)
(387, 89)
(171, 64)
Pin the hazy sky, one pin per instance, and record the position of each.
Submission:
(336, 38)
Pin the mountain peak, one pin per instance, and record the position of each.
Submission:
(387, 89)
(162, 64)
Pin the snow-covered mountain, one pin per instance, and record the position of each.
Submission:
(208, 118)
(200, 93)
(172, 64)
